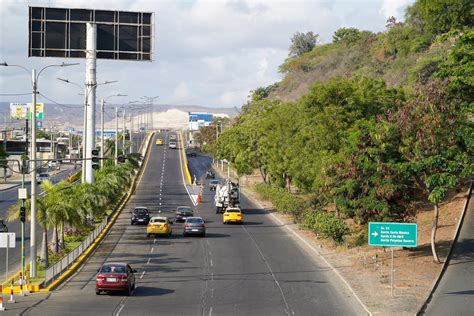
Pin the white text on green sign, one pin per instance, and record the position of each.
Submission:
(393, 234)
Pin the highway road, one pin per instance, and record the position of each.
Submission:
(251, 269)
(455, 292)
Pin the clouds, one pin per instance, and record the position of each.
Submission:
(206, 52)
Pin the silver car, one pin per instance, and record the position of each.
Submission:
(194, 226)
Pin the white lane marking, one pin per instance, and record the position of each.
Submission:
(143, 273)
(120, 309)
(211, 263)
(148, 262)
(154, 240)
(212, 279)
(287, 309)
(151, 250)
(210, 311)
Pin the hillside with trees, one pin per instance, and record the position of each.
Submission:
(365, 127)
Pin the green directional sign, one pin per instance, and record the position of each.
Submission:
(393, 234)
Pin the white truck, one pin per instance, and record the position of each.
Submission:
(227, 195)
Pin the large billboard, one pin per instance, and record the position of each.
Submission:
(121, 35)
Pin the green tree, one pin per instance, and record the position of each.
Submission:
(346, 35)
(302, 43)
(436, 156)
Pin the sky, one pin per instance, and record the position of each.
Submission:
(209, 53)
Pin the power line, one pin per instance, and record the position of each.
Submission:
(60, 104)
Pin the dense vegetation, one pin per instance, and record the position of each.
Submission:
(355, 144)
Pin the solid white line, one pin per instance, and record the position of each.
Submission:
(141, 276)
(184, 180)
(211, 263)
(210, 311)
(154, 240)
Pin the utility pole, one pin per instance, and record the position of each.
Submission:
(131, 133)
(102, 146)
(124, 131)
(116, 135)
(33, 179)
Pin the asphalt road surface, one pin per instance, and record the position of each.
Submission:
(251, 269)
(455, 293)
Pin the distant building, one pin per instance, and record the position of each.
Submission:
(198, 120)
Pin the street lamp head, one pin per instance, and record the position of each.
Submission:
(69, 64)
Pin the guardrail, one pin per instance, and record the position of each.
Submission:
(62, 265)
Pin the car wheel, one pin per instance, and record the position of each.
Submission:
(131, 223)
(97, 292)
(147, 235)
(203, 235)
(185, 235)
(171, 233)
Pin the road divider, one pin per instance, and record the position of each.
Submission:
(64, 268)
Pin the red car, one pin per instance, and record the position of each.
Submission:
(115, 276)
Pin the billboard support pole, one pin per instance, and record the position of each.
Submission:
(84, 140)
(91, 84)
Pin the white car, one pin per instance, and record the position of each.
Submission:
(172, 145)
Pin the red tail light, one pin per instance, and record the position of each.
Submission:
(124, 278)
(100, 277)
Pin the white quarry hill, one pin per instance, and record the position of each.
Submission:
(172, 118)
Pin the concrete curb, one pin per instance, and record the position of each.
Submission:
(423, 307)
(278, 221)
(102, 235)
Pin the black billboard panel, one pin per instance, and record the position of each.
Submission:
(57, 32)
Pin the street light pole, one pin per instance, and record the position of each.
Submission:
(102, 147)
(116, 135)
(124, 131)
(33, 179)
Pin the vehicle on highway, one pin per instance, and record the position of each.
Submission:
(115, 276)
(227, 195)
(41, 177)
(54, 164)
(140, 215)
(233, 215)
(159, 141)
(194, 226)
(159, 225)
(191, 154)
(172, 145)
(183, 212)
(172, 137)
(213, 185)
(210, 175)
(3, 226)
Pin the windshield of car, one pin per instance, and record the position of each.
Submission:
(214, 181)
(194, 220)
(112, 268)
(43, 175)
(140, 211)
(184, 210)
(158, 220)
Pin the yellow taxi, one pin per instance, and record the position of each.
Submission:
(159, 141)
(159, 225)
(233, 215)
